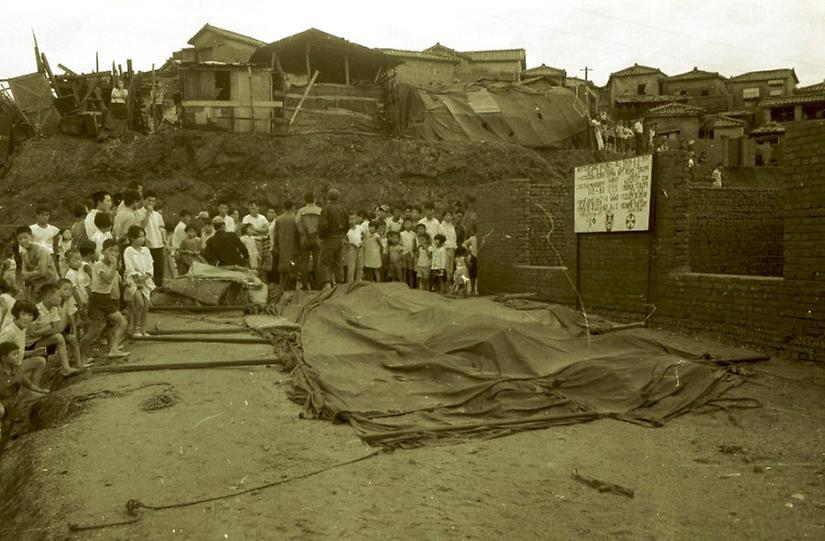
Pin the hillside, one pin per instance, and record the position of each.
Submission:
(194, 170)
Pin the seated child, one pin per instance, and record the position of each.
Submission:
(6, 302)
(138, 275)
(69, 315)
(8, 266)
(461, 277)
(423, 261)
(37, 266)
(33, 363)
(104, 295)
(80, 280)
(46, 331)
(15, 374)
(395, 258)
(190, 250)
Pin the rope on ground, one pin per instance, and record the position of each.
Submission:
(562, 264)
(133, 506)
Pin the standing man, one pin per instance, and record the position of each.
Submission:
(229, 222)
(429, 221)
(102, 202)
(44, 232)
(288, 242)
(638, 136)
(447, 229)
(155, 234)
(127, 216)
(307, 222)
(332, 226)
(396, 221)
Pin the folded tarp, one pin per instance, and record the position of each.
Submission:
(209, 285)
(408, 368)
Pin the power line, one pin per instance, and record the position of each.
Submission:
(578, 35)
(684, 34)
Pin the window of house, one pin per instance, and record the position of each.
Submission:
(705, 133)
(223, 85)
(640, 89)
(706, 92)
(750, 93)
(776, 91)
(776, 82)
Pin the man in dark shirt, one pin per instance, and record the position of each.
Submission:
(332, 226)
(225, 248)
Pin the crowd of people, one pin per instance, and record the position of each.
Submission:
(64, 293)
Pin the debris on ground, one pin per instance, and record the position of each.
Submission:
(603, 486)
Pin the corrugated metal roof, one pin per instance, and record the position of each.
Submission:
(695, 73)
(418, 55)
(676, 109)
(227, 34)
(636, 69)
(763, 75)
(799, 99)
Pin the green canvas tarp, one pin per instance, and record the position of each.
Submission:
(408, 368)
(553, 118)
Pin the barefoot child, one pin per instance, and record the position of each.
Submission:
(46, 331)
(38, 266)
(395, 258)
(423, 260)
(33, 363)
(408, 248)
(15, 374)
(372, 254)
(79, 279)
(461, 278)
(438, 266)
(103, 302)
(71, 327)
(138, 274)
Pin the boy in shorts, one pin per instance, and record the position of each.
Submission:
(104, 297)
(46, 331)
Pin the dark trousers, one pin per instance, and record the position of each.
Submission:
(309, 262)
(158, 261)
(332, 252)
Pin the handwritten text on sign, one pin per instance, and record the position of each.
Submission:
(613, 196)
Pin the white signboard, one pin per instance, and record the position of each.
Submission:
(613, 196)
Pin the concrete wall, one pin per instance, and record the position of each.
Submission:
(501, 70)
(620, 274)
(424, 73)
(695, 87)
(629, 85)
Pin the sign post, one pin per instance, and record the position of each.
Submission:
(613, 196)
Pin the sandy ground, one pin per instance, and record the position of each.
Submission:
(232, 429)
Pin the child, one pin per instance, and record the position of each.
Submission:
(408, 249)
(79, 279)
(16, 373)
(382, 238)
(139, 269)
(103, 225)
(461, 277)
(372, 254)
(8, 266)
(438, 266)
(37, 265)
(64, 245)
(353, 250)
(46, 331)
(190, 250)
(68, 314)
(471, 244)
(395, 258)
(251, 246)
(103, 301)
(6, 301)
(423, 260)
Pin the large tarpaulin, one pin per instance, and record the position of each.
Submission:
(408, 368)
(553, 118)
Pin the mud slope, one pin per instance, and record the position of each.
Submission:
(196, 169)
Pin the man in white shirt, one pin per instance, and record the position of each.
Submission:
(179, 234)
(155, 234)
(102, 202)
(257, 221)
(43, 232)
(229, 222)
(430, 223)
(395, 222)
(638, 136)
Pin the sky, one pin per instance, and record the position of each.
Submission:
(728, 36)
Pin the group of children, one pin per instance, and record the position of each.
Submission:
(402, 245)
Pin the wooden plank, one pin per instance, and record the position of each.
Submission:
(231, 103)
(334, 98)
(50, 74)
(251, 99)
(304, 97)
(346, 69)
(67, 70)
(185, 365)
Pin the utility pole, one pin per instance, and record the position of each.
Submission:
(586, 70)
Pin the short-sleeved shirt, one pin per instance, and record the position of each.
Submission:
(178, 235)
(98, 238)
(46, 317)
(154, 231)
(100, 285)
(439, 260)
(81, 281)
(448, 230)
(44, 236)
(14, 334)
(432, 226)
(229, 224)
(258, 222)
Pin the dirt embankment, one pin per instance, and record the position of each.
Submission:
(195, 170)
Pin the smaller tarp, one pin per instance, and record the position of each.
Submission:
(211, 286)
(552, 118)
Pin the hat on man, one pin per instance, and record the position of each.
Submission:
(218, 220)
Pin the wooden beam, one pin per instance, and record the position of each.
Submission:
(115, 368)
(251, 100)
(97, 61)
(240, 308)
(346, 69)
(226, 330)
(49, 73)
(67, 70)
(202, 339)
(231, 103)
(308, 65)
(303, 98)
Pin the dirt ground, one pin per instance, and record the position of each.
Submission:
(748, 474)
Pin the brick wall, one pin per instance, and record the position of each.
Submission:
(736, 230)
(620, 274)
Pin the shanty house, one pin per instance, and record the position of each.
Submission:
(635, 80)
(213, 44)
(554, 76)
(807, 103)
(704, 89)
(498, 64)
(347, 92)
(680, 118)
(749, 88)
(422, 70)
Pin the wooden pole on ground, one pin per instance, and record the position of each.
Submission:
(346, 69)
(202, 339)
(307, 58)
(199, 308)
(303, 98)
(119, 368)
(227, 330)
